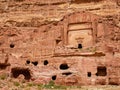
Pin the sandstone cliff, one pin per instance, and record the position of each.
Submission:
(72, 42)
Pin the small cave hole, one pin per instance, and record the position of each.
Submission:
(79, 45)
(54, 77)
(28, 61)
(64, 66)
(89, 74)
(45, 62)
(35, 63)
(58, 41)
(101, 71)
(24, 71)
(12, 45)
(67, 73)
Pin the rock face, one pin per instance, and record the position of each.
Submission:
(72, 42)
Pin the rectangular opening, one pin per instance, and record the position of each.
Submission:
(89, 74)
(79, 46)
(101, 71)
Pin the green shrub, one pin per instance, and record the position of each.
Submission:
(94, 50)
(30, 84)
(51, 85)
(3, 76)
(16, 83)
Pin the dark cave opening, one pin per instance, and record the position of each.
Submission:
(24, 71)
(46, 62)
(89, 74)
(80, 46)
(12, 45)
(35, 63)
(28, 61)
(64, 66)
(54, 77)
(66, 73)
(58, 41)
(101, 71)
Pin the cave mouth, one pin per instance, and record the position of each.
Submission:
(28, 61)
(58, 41)
(67, 73)
(101, 71)
(35, 63)
(46, 62)
(64, 66)
(12, 45)
(24, 71)
(89, 74)
(80, 46)
(54, 77)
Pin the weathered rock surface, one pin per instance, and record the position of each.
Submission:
(73, 42)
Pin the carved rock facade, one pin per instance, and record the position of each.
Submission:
(76, 48)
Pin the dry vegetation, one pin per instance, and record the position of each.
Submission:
(7, 83)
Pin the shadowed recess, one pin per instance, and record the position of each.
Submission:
(101, 71)
(28, 61)
(35, 63)
(58, 41)
(17, 71)
(79, 45)
(85, 1)
(45, 62)
(64, 66)
(67, 73)
(4, 65)
(12, 45)
(89, 74)
(54, 77)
